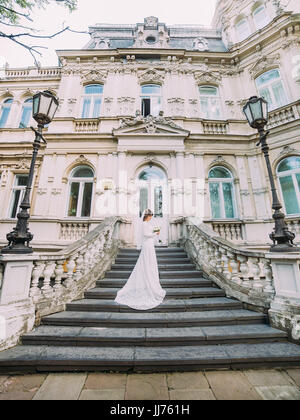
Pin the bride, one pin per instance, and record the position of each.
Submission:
(142, 290)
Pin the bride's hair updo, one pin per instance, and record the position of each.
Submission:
(148, 212)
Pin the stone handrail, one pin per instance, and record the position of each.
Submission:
(86, 125)
(44, 283)
(264, 281)
(283, 115)
(246, 275)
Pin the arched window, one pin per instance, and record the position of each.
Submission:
(221, 192)
(243, 29)
(270, 87)
(151, 100)
(5, 110)
(152, 185)
(26, 113)
(260, 16)
(92, 100)
(210, 102)
(288, 172)
(81, 191)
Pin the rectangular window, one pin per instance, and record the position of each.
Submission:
(17, 194)
(86, 108)
(215, 200)
(87, 199)
(289, 194)
(74, 194)
(4, 116)
(146, 107)
(228, 200)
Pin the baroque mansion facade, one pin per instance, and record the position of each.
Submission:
(150, 116)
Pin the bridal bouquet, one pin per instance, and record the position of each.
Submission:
(156, 229)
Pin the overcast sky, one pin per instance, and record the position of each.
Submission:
(89, 12)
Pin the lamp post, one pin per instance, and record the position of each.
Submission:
(256, 111)
(43, 111)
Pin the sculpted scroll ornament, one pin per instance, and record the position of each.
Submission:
(94, 76)
(151, 76)
(207, 76)
(264, 63)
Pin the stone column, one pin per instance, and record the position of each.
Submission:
(122, 184)
(247, 212)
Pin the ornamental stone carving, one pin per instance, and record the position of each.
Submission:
(200, 44)
(264, 63)
(207, 77)
(93, 76)
(151, 75)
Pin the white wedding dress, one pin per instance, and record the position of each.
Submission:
(143, 290)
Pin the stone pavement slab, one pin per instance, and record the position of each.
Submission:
(268, 377)
(147, 387)
(104, 395)
(187, 381)
(105, 381)
(194, 395)
(231, 386)
(280, 392)
(295, 375)
(61, 387)
(20, 387)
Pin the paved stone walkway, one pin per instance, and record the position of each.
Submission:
(273, 384)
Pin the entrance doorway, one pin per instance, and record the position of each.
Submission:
(153, 189)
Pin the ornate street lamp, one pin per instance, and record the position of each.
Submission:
(256, 111)
(43, 111)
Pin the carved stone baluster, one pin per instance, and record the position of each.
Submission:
(48, 272)
(235, 272)
(219, 264)
(244, 269)
(79, 266)
(225, 270)
(70, 275)
(35, 291)
(257, 284)
(59, 271)
(269, 288)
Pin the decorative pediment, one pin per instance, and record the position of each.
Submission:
(264, 63)
(93, 76)
(207, 77)
(151, 76)
(149, 125)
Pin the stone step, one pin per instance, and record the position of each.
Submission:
(189, 282)
(35, 359)
(176, 305)
(135, 254)
(154, 320)
(161, 267)
(188, 336)
(160, 260)
(162, 274)
(160, 250)
(180, 293)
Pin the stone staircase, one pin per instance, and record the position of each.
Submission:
(196, 327)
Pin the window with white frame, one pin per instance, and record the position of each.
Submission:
(243, 29)
(80, 192)
(92, 100)
(288, 172)
(271, 88)
(221, 191)
(210, 103)
(17, 195)
(26, 113)
(5, 110)
(260, 17)
(151, 100)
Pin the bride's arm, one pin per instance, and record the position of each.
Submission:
(148, 230)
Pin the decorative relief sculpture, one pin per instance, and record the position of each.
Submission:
(264, 63)
(200, 44)
(150, 121)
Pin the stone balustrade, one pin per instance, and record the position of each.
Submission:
(72, 231)
(264, 281)
(230, 230)
(246, 275)
(294, 226)
(86, 125)
(41, 284)
(32, 72)
(283, 115)
(215, 127)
